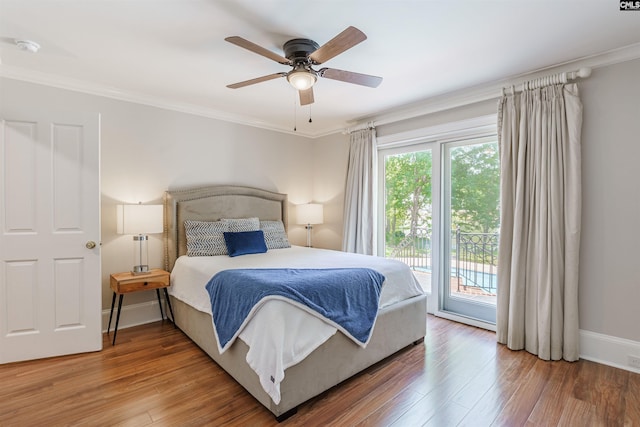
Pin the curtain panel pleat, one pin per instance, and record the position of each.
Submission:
(539, 134)
(359, 203)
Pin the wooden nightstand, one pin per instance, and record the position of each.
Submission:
(124, 283)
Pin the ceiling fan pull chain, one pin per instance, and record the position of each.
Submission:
(295, 114)
(310, 121)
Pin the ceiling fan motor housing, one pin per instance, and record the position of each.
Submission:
(298, 50)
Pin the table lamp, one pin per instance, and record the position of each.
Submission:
(308, 214)
(140, 220)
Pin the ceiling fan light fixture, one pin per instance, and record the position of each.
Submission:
(301, 79)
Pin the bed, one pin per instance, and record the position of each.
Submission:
(399, 323)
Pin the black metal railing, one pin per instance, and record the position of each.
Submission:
(476, 261)
(414, 249)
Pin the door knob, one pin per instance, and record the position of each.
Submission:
(90, 244)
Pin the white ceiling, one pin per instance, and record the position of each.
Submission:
(172, 53)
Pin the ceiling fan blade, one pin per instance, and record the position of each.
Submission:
(256, 80)
(239, 41)
(350, 77)
(343, 41)
(306, 96)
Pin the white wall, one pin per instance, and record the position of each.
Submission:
(610, 249)
(330, 160)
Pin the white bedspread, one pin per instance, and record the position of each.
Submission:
(281, 334)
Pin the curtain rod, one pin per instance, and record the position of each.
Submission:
(549, 80)
(368, 125)
(530, 84)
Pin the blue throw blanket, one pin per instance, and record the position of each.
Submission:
(347, 297)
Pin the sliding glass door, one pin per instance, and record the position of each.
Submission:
(439, 213)
(471, 219)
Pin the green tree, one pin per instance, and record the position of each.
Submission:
(475, 187)
(408, 194)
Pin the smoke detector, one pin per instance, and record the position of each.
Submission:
(27, 45)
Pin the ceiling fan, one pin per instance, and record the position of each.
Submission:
(302, 55)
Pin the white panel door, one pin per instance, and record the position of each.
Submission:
(50, 281)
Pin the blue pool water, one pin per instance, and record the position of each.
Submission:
(472, 278)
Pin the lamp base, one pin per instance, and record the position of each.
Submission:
(140, 269)
(140, 254)
(308, 227)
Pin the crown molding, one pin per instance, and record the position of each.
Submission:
(493, 90)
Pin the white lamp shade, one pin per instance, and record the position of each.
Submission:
(311, 213)
(139, 219)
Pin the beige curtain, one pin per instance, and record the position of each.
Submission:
(539, 136)
(359, 202)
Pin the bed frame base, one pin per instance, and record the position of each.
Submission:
(330, 364)
(286, 415)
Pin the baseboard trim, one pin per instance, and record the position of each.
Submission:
(608, 350)
(133, 315)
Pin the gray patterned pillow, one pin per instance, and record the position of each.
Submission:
(274, 235)
(241, 224)
(205, 238)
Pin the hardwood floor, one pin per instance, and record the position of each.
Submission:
(155, 376)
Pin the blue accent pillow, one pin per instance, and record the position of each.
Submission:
(245, 242)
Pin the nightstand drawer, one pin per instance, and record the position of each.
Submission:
(123, 283)
(124, 288)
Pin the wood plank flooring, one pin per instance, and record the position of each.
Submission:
(155, 376)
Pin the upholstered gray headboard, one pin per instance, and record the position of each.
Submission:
(211, 204)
